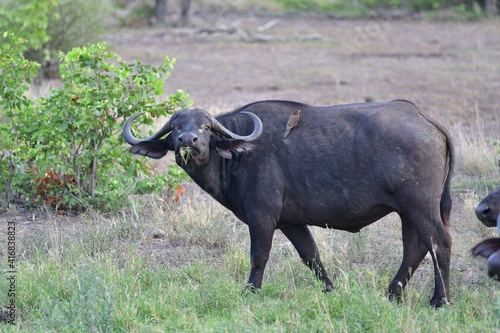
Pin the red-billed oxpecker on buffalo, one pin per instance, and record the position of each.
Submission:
(344, 167)
(488, 212)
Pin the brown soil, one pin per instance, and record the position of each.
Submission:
(450, 69)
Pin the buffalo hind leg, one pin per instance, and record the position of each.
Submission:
(301, 238)
(437, 241)
(414, 252)
(441, 258)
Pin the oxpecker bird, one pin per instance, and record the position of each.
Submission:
(292, 122)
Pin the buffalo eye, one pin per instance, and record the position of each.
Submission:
(207, 127)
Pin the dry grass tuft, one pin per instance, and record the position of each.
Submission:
(475, 156)
(195, 219)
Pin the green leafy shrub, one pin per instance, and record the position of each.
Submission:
(66, 149)
(28, 20)
(52, 26)
(426, 4)
(16, 74)
(141, 14)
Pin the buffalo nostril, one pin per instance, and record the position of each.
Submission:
(485, 211)
(187, 138)
(482, 210)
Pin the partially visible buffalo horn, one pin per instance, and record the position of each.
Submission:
(216, 126)
(130, 139)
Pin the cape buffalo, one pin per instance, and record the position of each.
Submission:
(342, 167)
(488, 212)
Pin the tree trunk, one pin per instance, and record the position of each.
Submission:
(161, 11)
(186, 4)
(490, 7)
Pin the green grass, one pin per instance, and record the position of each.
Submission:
(99, 296)
(95, 279)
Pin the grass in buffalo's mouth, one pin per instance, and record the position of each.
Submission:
(186, 153)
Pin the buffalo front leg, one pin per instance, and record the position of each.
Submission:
(304, 243)
(261, 238)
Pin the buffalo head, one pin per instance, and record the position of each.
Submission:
(488, 212)
(191, 133)
(488, 209)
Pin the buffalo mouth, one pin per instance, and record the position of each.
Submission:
(187, 154)
(487, 215)
(490, 221)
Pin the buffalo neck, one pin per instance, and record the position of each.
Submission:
(213, 177)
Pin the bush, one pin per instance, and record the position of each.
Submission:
(28, 20)
(16, 74)
(66, 150)
(52, 26)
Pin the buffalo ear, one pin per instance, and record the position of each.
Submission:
(224, 153)
(487, 247)
(225, 147)
(152, 148)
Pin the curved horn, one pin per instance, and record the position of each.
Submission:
(498, 224)
(130, 139)
(216, 126)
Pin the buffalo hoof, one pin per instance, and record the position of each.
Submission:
(250, 289)
(439, 302)
(395, 291)
(328, 289)
(394, 298)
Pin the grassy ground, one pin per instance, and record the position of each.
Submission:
(119, 273)
(97, 277)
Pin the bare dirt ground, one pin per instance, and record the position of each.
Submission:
(450, 69)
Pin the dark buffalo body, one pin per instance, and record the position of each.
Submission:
(488, 212)
(342, 167)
